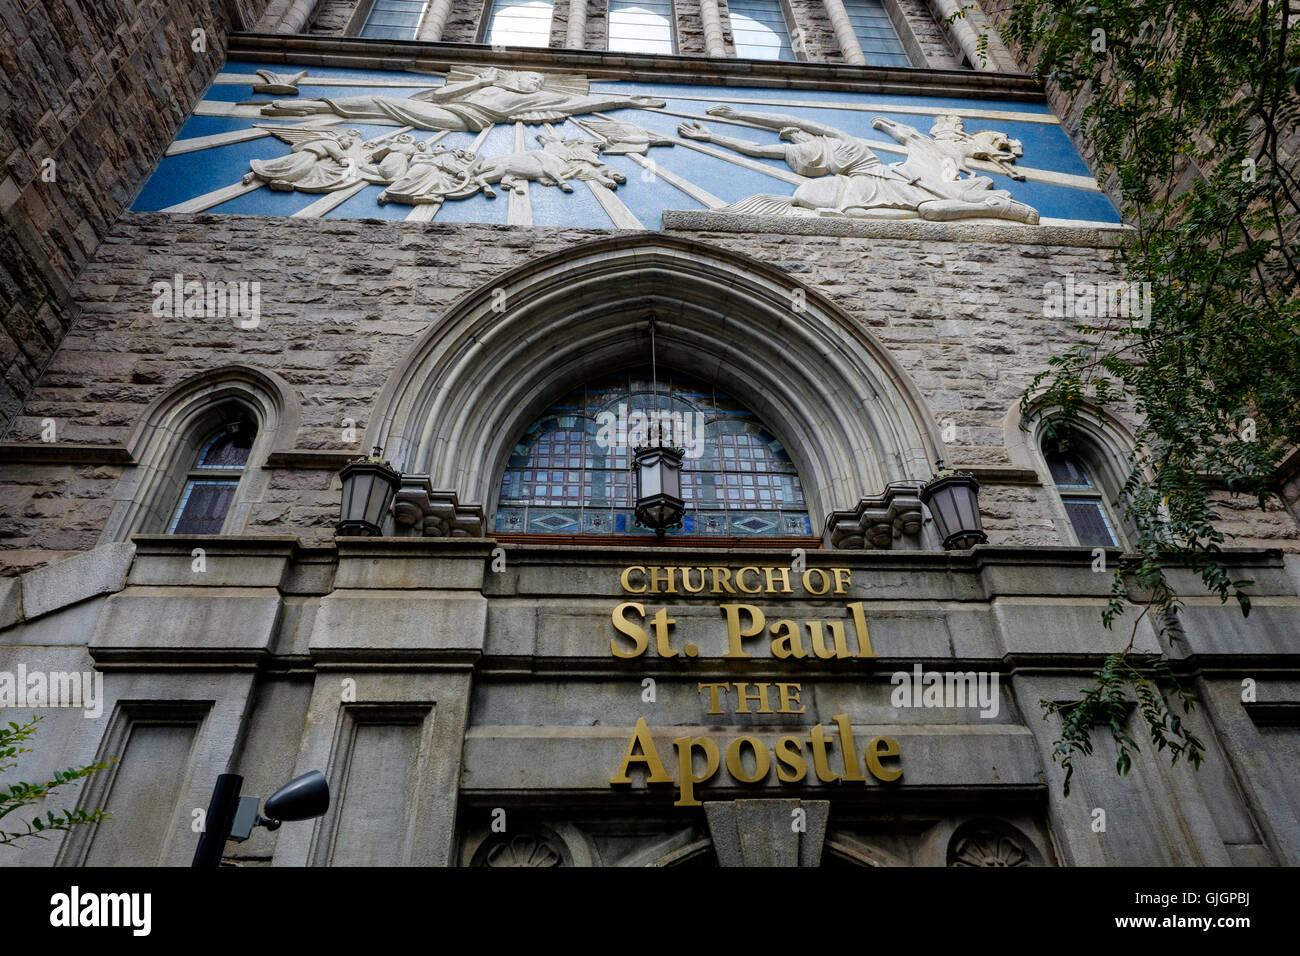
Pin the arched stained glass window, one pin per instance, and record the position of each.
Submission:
(570, 472)
(211, 483)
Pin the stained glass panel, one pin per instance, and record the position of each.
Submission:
(571, 471)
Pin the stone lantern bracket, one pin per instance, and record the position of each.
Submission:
(420, 510)
(877, 521)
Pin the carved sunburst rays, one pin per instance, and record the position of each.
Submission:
(616, 135)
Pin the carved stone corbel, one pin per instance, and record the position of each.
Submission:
(878, 521)
(421, 510)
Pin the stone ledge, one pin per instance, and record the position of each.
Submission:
(166, 560)
(64, 453)
(424, 57)
(354, 547)
(1001, 474)
(311, 459)
(239, 621)
(102, 570)
(1091, 237)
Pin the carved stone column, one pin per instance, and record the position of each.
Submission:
(714, 45)
(768, 832)
(844, 35)
(297, 17)
(435, 21)
(963, 31)
(576, 38)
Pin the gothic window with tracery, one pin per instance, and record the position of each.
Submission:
(570, 472)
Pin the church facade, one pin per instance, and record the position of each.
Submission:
(498, 247)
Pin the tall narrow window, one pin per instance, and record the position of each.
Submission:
(641, 26)
(876, 34)
(210, 485)
(519, 23)
(1083, 498)
(759, 29)
(394, 19)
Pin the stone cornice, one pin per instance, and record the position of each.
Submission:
(64, 453)
(68, 453)
(311, 459)
(981, 556)
(1089, 237)
(1001, 474)
(423, 57)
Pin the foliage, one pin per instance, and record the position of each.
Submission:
(1192, 109)
(21, 794)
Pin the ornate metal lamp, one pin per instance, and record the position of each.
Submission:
(659, 503)
(369, 485)
(953, 500)
(658, 468)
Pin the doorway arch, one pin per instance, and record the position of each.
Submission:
(851, 417)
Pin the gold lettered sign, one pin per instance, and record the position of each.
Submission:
(749, 759)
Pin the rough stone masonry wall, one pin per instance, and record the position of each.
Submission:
(344, 301)
(101, 89)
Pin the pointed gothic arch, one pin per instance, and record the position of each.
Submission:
(849, 415)
(167, 439)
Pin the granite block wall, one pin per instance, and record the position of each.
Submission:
(91, 94)
(343, 301)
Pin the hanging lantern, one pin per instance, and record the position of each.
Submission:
(369, 485)
(659, 503)
(953, 501)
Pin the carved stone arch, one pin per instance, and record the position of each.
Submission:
(849, 416)
(1105, 442)
(1109, 436)
(164, 442)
